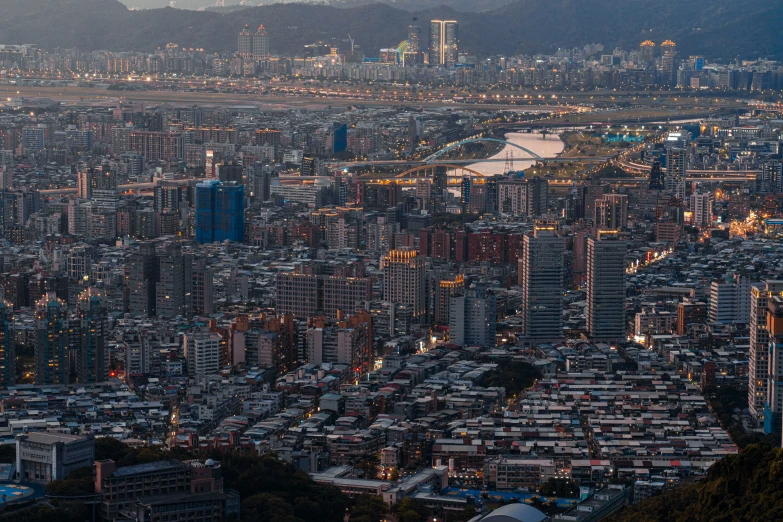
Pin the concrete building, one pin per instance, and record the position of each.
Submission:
(403, 280)
(43, 457)
(730, 300)
(611, 212)
(202, 351)
(473, 318)
(606, 287)
(52, 341)
(541, 279)
(758, 364)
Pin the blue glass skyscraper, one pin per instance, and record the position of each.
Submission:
(220, 212)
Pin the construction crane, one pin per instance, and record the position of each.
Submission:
(350, 40)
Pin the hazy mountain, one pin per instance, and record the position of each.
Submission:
(719, 28)
(465, 6)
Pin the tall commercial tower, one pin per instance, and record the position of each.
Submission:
(245, 43)
(220, 212)
(611, 212)
(171, 295)
(90, 333)
(760, 295)
(403, 280)
(701, 207)
(260, 44)
(541, 279)
(606, 287)
(773, 405)
(201, 288)
(676, 163)
(444, 42)
(656, 176)
(473, 318)
(142, 275)
(52, 343)
(7, 345)
(414, 38)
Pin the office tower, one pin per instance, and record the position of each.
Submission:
(7, 345)
(701, 208)
(168, 196)
(52, 341)
(444, 42)
(245, 43)
(758, 364)
(730, 300)
(656, 176)
(230, 172)
(770, 179)
(676, 170)
(143, 273)
(414, 38)
(473, 318)
(34, 138)
(202, 352)
(261, 181)
(173, 279)
(260, 44)
(611, 212)
(773, 405)
(201, 287)
(220, 212)
(606, 287)
(403, 280)
(309, 166)
(90, 331)
(541, 280)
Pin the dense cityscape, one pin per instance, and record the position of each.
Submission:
(421, 286)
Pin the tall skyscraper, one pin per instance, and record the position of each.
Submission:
(606, 287)
(541, 280)
(220, 212)
(701, 207)
(261, 181)
(473, 318)
(245, 43)
(260, 44)
(676, 166)
(773, 405)
(611, 212)
(758, 365)
(7, 345)
(656, 176)
(444, 42)
(414, 38)
(201, 288)
(90, 333)
(143, 274)
(174, 271)
(403, 280)
(52, 341)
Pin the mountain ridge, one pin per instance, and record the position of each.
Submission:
(730, 29)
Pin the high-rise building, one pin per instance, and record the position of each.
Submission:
(34, 138)
(656, 176)
(541, 280)
(701, 207)
(606, 287)
(611, 212)
(7, 345)
(773, 405)
(647, 52)
(529, 197)
(261, 181)
(230, 172)
(730, 300)
(414, 38)
(260, 44)
(770, 179)
(168, 196)
(143, 274)
(52, 341)
(403, 280)
(201, 288)
(245, 43)
(202, 352)
(473, 318)
(174, 276)
(90, 333)
(676, 165)
(444, 42)
(758, 365)
(220, 212)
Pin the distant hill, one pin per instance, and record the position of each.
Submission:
(718, 28)
(745, 487)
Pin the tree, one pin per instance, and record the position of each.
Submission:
(368, 508)
(78, 482)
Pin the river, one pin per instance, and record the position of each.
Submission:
(546, 148)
